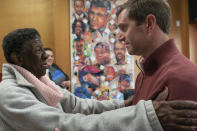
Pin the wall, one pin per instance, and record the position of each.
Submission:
(62, 34)
(185, 34)
(27, 13)
(180, 32)
(193, 42)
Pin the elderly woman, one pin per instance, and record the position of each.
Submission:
(29, 101)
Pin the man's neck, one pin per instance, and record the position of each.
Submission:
(156, 41)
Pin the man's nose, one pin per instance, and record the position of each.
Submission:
(121, 37)
(94, 17)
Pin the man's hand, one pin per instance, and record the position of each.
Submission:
(161, 96)
(65, 84)
(177, 115)
(128, 102)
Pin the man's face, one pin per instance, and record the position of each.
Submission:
(102, 56)
(97, 17)
(134, 36)
(104, 96)
(112, 27)
(34, 58)
(78, 29)
(50, 57)
(119, 50)
(124, 85)
(90, 79)
(110, 73)
(79, 7)
(79, 46)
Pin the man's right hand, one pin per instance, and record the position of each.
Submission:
(177, 115)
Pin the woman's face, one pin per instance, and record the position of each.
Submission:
(34, 58)
(50, 57)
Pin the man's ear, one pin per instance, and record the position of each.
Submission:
(150, 23)
(16, 59)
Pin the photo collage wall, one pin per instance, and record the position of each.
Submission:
(101, 68)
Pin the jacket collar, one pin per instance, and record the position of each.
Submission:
(159, 57)
(9, 72)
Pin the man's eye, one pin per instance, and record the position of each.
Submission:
(91, 13)
(123, 28)
(100, 14)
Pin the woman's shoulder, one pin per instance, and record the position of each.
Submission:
(55, 66)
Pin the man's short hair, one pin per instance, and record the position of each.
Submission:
(125, 77)
(139, 9)
(118, 42)
(102, 45)
(78, 0)
(14, 41)
(101, 4)
(83, 25)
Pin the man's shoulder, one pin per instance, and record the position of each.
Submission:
(55, 66)
(182, 72)
(181, 65)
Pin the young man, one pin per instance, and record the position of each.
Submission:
(145, 26)
(102, 53)
(79, 10)
(120, 52)
(98, 16)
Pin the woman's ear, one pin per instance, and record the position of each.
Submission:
(16, 59)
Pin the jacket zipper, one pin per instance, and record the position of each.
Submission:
(141, 69)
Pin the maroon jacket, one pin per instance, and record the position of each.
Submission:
(166, 66)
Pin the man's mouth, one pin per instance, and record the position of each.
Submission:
(78, 31)
(119, 55)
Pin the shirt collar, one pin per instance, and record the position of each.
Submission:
(159, 57)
